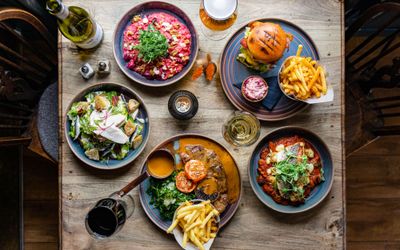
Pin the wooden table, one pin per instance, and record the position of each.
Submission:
(254, 226)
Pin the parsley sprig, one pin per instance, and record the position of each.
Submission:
(290, 173)
(152, 44)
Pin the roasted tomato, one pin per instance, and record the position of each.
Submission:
(183, 184)
(195, 170)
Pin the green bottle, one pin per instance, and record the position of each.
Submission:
(76, 24)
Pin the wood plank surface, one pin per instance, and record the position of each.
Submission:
(373, 217)
(254, 226)
(379, 179)
(373, 245)
(40, 203)
(10, 171)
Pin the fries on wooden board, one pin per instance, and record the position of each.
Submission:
(302, 77)
(197, 222)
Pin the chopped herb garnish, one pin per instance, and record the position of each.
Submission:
(152, 44)
(290, 173)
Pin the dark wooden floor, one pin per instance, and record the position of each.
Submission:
(373, 196)
(40, 204)
(9, 189)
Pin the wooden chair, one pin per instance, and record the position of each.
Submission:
(361, 60)
(28, 62)
(370, 42)
(376, 113)
(354, 9)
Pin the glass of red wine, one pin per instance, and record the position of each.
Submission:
(109, 215)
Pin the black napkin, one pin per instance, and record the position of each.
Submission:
(274, 92)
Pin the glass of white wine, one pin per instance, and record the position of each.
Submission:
(241, 129)
(217, 17)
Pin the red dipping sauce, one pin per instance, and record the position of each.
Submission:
(254, 88)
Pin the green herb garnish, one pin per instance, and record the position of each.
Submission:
(166, 197)
(152, 44)
(292, 176)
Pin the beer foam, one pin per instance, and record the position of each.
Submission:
(220, 9)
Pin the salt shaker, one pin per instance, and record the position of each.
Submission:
(86, 71)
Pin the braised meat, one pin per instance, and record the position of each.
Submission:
(215, 174)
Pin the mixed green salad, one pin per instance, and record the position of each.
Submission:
(106, 125)
(166, 197)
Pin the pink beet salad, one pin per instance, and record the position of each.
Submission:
(178, 39)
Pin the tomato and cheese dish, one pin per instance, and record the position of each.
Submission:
(289, 169)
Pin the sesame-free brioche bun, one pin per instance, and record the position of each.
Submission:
(267, 41)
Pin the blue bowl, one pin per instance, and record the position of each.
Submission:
(318, 194)
(133, 154)
(148, 8)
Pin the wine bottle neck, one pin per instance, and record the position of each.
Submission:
(58, 9)
(64, 12)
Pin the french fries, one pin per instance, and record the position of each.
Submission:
(302, 77)
(197, 222)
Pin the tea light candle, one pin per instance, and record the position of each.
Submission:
(183, 105)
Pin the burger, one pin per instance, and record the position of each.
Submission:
(263, 44)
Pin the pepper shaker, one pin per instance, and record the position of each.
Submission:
(103, 67)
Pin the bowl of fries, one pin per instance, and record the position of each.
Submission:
(195, 224)
(304, 79)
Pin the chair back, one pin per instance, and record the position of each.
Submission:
(372, 63)
(28, 62)
(387, 107)
(371, 38)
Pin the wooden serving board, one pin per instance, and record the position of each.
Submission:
(254, 226)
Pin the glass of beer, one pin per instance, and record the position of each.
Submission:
(217, 17)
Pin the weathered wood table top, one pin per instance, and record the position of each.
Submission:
(254, 226)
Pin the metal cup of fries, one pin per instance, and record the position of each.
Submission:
(304, 79)
(195, 224)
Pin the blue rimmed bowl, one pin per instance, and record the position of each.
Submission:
(148, 8)
(318, 194)
(77, 149)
